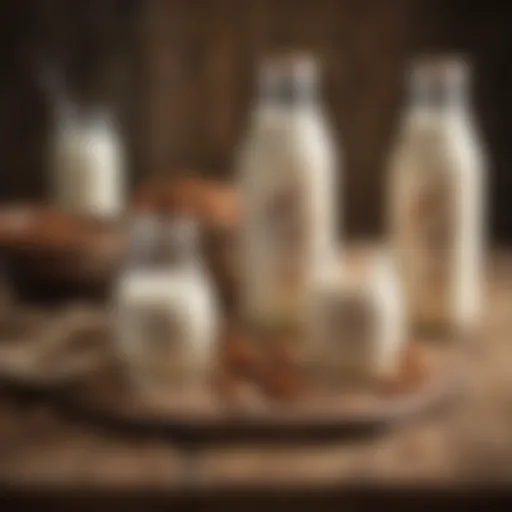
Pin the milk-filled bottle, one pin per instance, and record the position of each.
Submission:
(436, 198)
(357, 327)
(87, 171)
(165, 308)
(288, 184)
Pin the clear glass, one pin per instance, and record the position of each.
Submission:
(436, 198)
(166, 308)
(287, 176)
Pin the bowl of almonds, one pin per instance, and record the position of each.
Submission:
(47, 253)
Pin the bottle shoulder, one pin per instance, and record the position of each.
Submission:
(445, 143)
(141, 282)
(283, 140)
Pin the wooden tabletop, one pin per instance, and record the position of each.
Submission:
(42, 447)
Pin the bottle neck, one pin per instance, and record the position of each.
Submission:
(438, 99)
(160, 244)
(287, 94)
(99, 119)
(439, 85)
(143, 234)
(180, 242)
(288, 83)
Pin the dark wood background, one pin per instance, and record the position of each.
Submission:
(180, 75)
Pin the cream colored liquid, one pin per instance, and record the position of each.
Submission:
(166, 324)
(88, 171)
(288, 188)
(437, 219)
(357, 322)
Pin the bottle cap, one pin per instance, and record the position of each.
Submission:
(289, 77)
(438, 79)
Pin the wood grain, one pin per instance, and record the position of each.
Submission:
(470, 444)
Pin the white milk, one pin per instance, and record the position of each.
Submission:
(166, 312)
(436, 199)
(288, 183)
(357, 322)
(88, 165)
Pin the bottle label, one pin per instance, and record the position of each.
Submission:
(159, 336)
(348, 324)
(285, 220)
(279, 259)
(431, 232)
(162, 328)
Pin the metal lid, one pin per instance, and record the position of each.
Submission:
(289, 77)
(438, 80)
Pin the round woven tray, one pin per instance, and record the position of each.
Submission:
(243, 408)
(68, 351)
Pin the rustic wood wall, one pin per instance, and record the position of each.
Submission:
(180, 75)
(94, 45)
(203, 57)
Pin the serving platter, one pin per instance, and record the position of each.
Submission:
(263, 405)
(254, 393)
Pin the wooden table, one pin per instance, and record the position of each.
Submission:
(42, 448)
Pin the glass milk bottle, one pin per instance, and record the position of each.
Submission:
(88, 164)
(287, 179)
(166, 309)
(357, 327)
(436, 198)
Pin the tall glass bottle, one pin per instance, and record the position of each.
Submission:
(436, 198)
(287, 178)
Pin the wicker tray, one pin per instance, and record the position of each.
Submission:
(68, 351)
(242, 409)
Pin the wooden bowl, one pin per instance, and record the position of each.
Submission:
(47, 253)
(216, 206)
